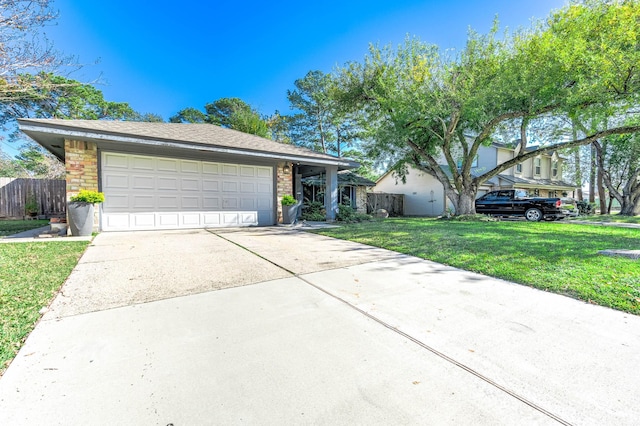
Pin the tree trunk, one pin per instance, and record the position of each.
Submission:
(464, 202)
(592, 177)
(601, 193)
(578, 180)
(630, 207)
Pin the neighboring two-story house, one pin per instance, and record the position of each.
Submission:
(424, 194)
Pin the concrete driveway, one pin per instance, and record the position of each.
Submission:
(271, 326)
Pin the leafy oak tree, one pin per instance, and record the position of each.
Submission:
(232, 113)
(619, 165)
(431, 111)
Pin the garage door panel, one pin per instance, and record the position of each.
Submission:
(143, 163)
(210, 168)
(190, 203)
(210, 185)
(228, 186)
(146, 192)
(247, 171)
(167, 165)
(264, 204)
(230, 203)
(143, 220)
(230, 219)
(212, 219)
(117, 181)
(264, 172)
(116, 202)
(190, 184)
(168, 202)
(187, 166)
(168, 219)
(264, 188)
(116, 161)
(229, 170)
(247, 187)
(248, 218)
(142, 202)
(211, 203)
(167, 183)
(117, 221)
(248, 204)
(191, 219)
(143, 182)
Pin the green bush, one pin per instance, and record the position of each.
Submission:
(348, 214)
(586, 208)
(314, 212)
(85, 196)
(288, 200)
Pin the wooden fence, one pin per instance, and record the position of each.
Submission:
(49, 194)
(392, 203)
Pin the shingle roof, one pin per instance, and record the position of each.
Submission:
(185, 133)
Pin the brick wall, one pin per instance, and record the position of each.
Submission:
(81, 164)
(284, 183)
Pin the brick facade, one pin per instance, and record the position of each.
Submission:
(284, 185)
(81, 164)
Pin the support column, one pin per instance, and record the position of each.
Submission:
(81, 165)
(284, 186)
(331, 192)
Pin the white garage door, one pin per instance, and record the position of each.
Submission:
(145, 192)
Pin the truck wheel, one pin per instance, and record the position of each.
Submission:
(533, 215)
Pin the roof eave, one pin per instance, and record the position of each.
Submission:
(30, 129)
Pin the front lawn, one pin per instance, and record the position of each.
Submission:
(552, 256)
(30, 276)
(10, 227)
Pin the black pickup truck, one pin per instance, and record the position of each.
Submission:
(517, 203)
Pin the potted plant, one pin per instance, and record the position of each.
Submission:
(289, 209)
(81, 210)
(31, 206)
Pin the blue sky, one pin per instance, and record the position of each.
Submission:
(163, 56)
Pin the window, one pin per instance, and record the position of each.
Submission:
(537, 166)
(554, 169)
(519, 168)
(474, 164)
(348, 196)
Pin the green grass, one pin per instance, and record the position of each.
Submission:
(552, 256)
(10, 227)
(30, 276)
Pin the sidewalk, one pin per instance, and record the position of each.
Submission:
(32, 235)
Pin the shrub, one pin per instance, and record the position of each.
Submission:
(314, 211)
(85, 196)
(586, 208)
(288, 200)
(31, 206)
(346, 213)
(470, 218)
